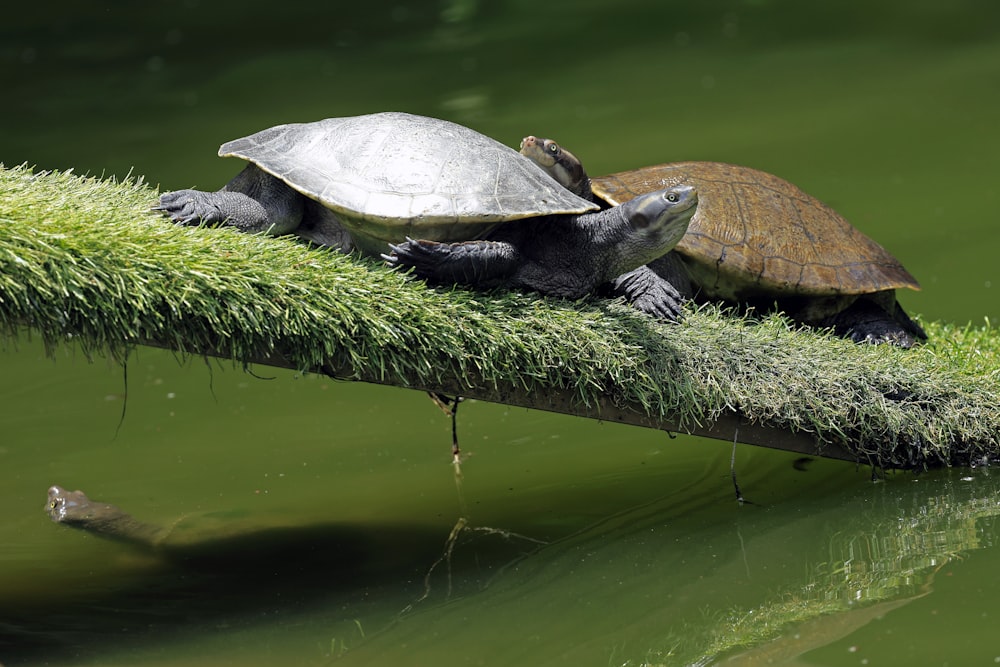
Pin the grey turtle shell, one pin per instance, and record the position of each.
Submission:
(392, 175)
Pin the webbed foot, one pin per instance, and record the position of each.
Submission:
(191, 207)
(879, 334)
(422, 256)
(866, 321)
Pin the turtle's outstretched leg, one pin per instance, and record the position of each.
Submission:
(569, 256)
(253, 201)
(488, 263)
(485, 263)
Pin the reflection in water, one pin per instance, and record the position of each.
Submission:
(877, 567)
(647, 586)
(883, 548)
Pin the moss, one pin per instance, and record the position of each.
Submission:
(84, 260)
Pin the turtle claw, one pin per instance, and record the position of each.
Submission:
(398, 252)
(668, 311)
(422, 256)
(648, 292)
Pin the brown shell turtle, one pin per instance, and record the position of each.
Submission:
(759, 240)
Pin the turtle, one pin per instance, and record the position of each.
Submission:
(395, 185)
(759, 241)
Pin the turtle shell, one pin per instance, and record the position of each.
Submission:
(392, 175)
(755, 234)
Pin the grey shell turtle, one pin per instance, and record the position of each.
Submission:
(392, 175)
(447, 202)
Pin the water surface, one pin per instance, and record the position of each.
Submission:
(586, 543)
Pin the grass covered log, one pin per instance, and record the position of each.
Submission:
(84, 261)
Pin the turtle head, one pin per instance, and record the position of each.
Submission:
(667, 211)
(559, 163)
(659, 219)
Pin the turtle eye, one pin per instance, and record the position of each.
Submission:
(553, 147)
(672, 197)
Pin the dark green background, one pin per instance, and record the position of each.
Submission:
(887, 111)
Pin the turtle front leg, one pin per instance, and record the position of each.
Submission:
(252, 202)
(480, 263)
(646, 291)
(193, 207)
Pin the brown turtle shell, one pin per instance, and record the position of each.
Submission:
(756, 234)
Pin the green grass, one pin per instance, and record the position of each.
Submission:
(84, 261)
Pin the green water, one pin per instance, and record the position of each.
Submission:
(323, 506)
